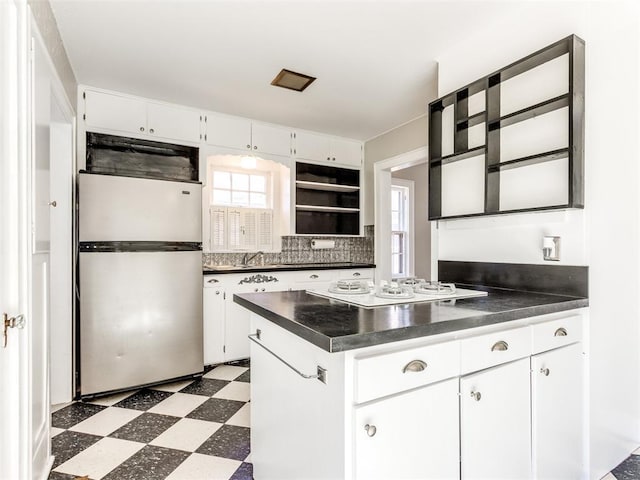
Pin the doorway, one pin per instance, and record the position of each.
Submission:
(409, 169)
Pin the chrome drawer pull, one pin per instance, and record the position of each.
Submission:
(370, 429)
(414, 366)
(213, 280)
(313, 276)
(500, 346)
(561, 332)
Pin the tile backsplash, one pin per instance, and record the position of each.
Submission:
(298, 250)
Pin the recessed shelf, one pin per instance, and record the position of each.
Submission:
(320, 208)
(471, 121)
(530, 160)
(327, 187)
(471, 152)
(531, 112)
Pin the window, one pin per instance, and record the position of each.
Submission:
(240, 189)
(401, 228)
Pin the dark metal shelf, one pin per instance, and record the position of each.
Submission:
(456, 157)
(530, 160)
(533, 111)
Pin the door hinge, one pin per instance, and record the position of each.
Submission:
(84, 95)
(84, 116)
(224, 295)
(224, 349)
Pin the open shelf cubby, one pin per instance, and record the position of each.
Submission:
(532, 113)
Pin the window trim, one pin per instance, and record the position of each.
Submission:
(409, 185)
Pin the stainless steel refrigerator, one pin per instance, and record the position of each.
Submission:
(139, 281)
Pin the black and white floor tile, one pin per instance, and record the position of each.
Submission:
(191, 430)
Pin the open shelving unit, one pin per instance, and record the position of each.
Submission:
(327, 200)
(525, 137)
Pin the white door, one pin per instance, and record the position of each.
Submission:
(495, 423)
(412, 435)
(24, 252)
(557, 397)
(13, 266)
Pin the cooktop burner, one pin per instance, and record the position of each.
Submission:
(392, 290)
(349, 287)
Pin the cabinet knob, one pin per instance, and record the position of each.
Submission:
(262, 290)
(256, 290)
(53, 204)
(414, 366)
(329, 159)
(217, 292)
(255, 147)
(370, 429)
(545, 371)
(476, 396)
(333, 158)
(151, 130)
(142, 129)
(248, 146)
(561, 332)
(500, 346)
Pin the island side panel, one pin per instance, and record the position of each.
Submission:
(297, 424)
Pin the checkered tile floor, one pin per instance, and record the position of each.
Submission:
(197, 429)
(627, 470)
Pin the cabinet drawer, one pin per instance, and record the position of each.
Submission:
(310, 277)
(556, 333)
(356, 274)
(389, 373)
(485, 351)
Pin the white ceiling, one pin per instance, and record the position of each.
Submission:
(375, 60)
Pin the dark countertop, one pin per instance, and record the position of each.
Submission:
(335, 326)
(283, 267)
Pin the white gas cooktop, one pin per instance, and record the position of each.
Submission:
(371, 300)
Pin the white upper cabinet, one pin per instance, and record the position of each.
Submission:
(167, 121)
(109, 112)
(271, 139)
(324, 148)
(243, 134)
(228, 131)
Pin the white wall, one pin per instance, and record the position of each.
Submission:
(605, 235)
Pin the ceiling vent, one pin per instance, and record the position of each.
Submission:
(292, 80)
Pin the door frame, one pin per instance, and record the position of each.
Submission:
(382, 183)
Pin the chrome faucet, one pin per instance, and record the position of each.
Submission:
(246, 258)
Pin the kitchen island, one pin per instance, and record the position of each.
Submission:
(406, 391)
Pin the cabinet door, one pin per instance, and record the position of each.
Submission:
(346, 152)
(173, 123)
(227, 131)
(409, 436)
(114, 112)
(271, 139)
(312, 146)
(238, 319)
(495, 422)
(557, 413)
(213, 321)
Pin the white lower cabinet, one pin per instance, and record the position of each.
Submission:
(413, 435)
(238, 319)
(557, 414)
(213, 299)
(495, 425)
